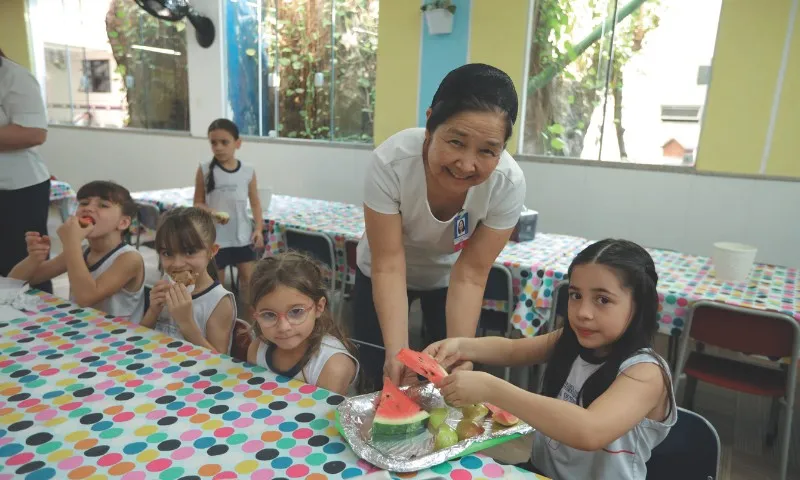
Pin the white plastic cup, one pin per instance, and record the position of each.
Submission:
(733, 261)
(265, 195)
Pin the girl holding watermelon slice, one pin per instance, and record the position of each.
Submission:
(440, 203)
(607, 399)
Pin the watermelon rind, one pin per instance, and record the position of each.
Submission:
(383, 427)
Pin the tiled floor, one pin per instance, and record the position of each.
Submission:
(740, 419)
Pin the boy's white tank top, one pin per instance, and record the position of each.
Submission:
(329, 347)
(203, 305)
(622, 459)
(230, 195)
(124, 304)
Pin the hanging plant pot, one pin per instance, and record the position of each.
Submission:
(439, 20)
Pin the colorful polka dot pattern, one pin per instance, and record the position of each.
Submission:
(86, 396)
(684, 279)
(61, 191)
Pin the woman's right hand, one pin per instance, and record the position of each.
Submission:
(398, 373)
(38, 246)
(447, 352)
(158, 295)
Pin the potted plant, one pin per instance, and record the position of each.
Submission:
(439, 16)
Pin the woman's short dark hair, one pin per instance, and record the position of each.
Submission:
(474, 87)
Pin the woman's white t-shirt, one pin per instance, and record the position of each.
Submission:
(395, 183)
(21, 104)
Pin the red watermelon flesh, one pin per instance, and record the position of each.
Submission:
(422, 364)
(397, 415)
(501, 416)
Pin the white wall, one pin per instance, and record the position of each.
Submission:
(684, 212)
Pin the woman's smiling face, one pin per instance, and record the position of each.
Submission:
(464, 150)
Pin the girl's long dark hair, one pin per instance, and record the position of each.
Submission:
(187, 229)
(637, 273)
(230, 127)
(296, 270)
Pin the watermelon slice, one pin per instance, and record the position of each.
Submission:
(86, 221)
(501, 416)
(397, 415)
(422, 364)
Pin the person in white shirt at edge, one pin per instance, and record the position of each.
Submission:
(24, 178)
(421, 185)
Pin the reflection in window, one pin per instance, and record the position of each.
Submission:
(303, 69)
(110, 64)
(621, 80)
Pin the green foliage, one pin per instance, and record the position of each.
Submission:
(569, 66)
(325, 36)
(158, 96)
(439, 4)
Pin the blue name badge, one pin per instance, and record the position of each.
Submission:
(460, 230)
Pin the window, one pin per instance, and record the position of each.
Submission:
(303, 68)
(619, 80)
(110, 64)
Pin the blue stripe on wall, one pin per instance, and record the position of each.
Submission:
(440, 54)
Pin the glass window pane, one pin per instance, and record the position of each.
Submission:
(566, 78)
(631, 88)
(110, 64)
(657, 89)
(355, 53)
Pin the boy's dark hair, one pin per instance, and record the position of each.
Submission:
(474, 87)
(111, 192)
(636, 271)
(230, 127)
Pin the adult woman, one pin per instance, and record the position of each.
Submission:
(24, 179)
(440, 204)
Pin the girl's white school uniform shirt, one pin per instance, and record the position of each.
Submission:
(622, 459)
(230, 195)
(203, 305)
(124, 304)
(329, 347)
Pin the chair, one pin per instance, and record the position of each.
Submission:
(320, 247)
(499, 288)
(147, 217)
(690, 451)
(558, 312)
(748, 331)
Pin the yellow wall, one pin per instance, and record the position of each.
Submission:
(505, 51)
(14, 31)
(398, 68)
(744, 75)
(784, 157)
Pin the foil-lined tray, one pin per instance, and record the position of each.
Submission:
(354, 420)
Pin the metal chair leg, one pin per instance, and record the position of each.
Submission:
(772, 426)
(786, 434)
(688, 396)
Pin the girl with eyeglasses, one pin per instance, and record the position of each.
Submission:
(294, 332)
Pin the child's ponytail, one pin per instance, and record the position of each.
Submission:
(210, 183)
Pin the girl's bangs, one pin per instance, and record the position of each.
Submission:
(178, 234)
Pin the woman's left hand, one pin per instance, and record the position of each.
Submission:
(179, 306)
(258, 238)
(463, 387)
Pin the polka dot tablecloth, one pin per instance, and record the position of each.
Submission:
(85, 396)
(537, 267)
(529, 262)
(64, 197)
(684, 279)
(341, 221)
